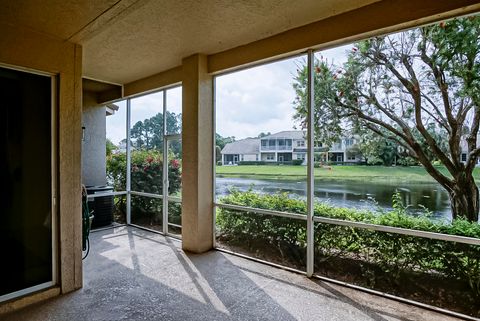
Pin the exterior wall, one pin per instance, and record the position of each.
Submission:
(249, 157)
(93, 146)
(25, 48)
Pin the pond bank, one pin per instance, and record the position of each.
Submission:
(391, 175)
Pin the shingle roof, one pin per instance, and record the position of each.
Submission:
(243, 146)
(293, 134)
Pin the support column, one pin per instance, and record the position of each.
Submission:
(197, 158)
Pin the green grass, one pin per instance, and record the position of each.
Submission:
(415, 174)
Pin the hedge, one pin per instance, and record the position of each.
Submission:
(377, 253)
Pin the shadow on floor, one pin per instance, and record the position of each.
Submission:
(132, 274)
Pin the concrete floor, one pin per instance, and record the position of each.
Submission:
(133, 274)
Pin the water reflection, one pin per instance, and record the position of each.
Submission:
(352, 194)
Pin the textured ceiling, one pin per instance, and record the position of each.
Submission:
(125, 40)
(58, 18)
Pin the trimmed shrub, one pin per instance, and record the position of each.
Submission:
(378, 254)
(252, 163)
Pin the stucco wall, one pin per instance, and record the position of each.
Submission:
(25, 48)
(249, 157)
(93, 146)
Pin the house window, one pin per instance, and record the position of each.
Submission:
(241, 158)
(300, 143)
(348, 142)
(351, 157)
(464, 157)
(256, 157)
(301, 156)
(270, 157)
(317, 144)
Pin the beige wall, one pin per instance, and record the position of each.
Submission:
(27, 49)
(93, 146)
(250, 157)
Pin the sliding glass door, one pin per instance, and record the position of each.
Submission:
(26, 173)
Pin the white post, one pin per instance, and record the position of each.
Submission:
(310, 167)
(129, 165)
(165, 168)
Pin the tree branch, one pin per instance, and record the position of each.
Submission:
(442, 120)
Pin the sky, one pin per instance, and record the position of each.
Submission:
(260, 99)
(248, 102)
(142, 108)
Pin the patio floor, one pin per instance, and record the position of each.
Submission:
(132, 274)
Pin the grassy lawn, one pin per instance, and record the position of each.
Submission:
(340, 172)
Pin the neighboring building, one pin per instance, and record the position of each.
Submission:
(464, 150)
(286, 146)
(241, 150)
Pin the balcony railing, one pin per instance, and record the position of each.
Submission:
(268, 148)
(283, 147)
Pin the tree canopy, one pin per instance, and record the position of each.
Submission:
(148, 134)
(420, 89)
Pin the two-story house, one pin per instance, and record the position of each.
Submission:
(285, 146)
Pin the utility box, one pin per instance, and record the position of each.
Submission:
(102, 206)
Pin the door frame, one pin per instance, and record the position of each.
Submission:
(54, 187)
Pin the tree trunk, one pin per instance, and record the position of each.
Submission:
(464, 198)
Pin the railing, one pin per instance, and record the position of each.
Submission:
(268, 148)
(276, 147)
(368, 226)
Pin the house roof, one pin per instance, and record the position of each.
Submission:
(293, 134)
(111, 109)
(243, 146)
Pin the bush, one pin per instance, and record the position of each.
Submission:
(146, 176)
(252, 163)
(391, 254)
(297, 162)
(407, 161)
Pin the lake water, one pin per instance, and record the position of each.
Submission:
(351, 194)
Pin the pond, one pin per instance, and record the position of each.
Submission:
(352, 194)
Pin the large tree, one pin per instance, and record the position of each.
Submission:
(148, 134)
(419, 88)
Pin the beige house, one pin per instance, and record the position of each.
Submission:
(286, 146)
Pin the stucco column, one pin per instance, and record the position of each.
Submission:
(197, 158)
